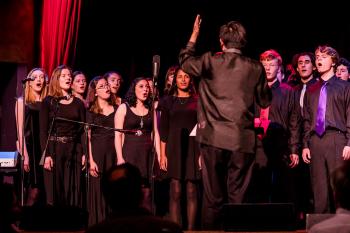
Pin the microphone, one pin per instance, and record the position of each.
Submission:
(27, 80)
(156, 65)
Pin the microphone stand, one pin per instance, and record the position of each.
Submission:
(154, 152)
(42, 159)
(22, 145)
(43, 156)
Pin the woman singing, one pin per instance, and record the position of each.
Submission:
(61, 140)
(135, 114)
(35, 91)
(101, 144)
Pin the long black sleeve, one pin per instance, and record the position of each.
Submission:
(164, 121)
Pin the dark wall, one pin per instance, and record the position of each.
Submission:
(17, 31)
(124, 35)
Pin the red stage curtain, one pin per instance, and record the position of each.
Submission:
(59, 33)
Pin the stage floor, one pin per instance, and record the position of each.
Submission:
(298, 231)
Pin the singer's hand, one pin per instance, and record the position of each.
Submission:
(83, 162)
(163, 163)
(48, 163)
(26, 164)
(196, 29)
(294, 160)
(120, 161)
(306, 155)
(93, 168)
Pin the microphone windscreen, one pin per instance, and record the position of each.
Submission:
(156, 59)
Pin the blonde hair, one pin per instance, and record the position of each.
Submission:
(28, 92)
(54, 86)
(270, 55)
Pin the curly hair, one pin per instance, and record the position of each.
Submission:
(131, 98)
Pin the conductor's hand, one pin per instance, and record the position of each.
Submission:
(48, 165)
(163, 163)
(93, 168)
(196, 29)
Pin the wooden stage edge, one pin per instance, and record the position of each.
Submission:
(298, 231)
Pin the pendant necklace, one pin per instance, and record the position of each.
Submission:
(185, 99)
(141, 121)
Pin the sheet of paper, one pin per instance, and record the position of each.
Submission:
(194, 131)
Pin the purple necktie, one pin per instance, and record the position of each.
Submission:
(321, 111)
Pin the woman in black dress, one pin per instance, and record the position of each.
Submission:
(63, 145)
(179, 151)
(79, 85)
(115, 81)
(35, 91)
(102, 154)
(135, 114)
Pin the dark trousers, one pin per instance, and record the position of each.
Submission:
(326, 155)
(62, 184)
(226, 176)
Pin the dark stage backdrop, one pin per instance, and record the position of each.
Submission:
(124, 35)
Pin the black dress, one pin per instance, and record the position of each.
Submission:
(34, 178)
(178, 118)
(104, 155)
(62, 183)
(137, 150)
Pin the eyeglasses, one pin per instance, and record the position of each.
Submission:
(269, 65)
(106, 86)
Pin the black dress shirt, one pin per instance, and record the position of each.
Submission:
(285, 119)
(230, 84)
(337, 110)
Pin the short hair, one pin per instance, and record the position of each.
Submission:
(233, 35)
(122, 187)
(343, 61)
(341, 185)
(298, 55)
(270, 55)
(329, 51)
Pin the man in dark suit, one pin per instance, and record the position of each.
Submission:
(122, 188)
(326, 141)
(230, 85)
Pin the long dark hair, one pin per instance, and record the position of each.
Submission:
(131, 98)
(92, 98)
(173, 89)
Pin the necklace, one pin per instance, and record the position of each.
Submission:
(141, 119)
(185, 99)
